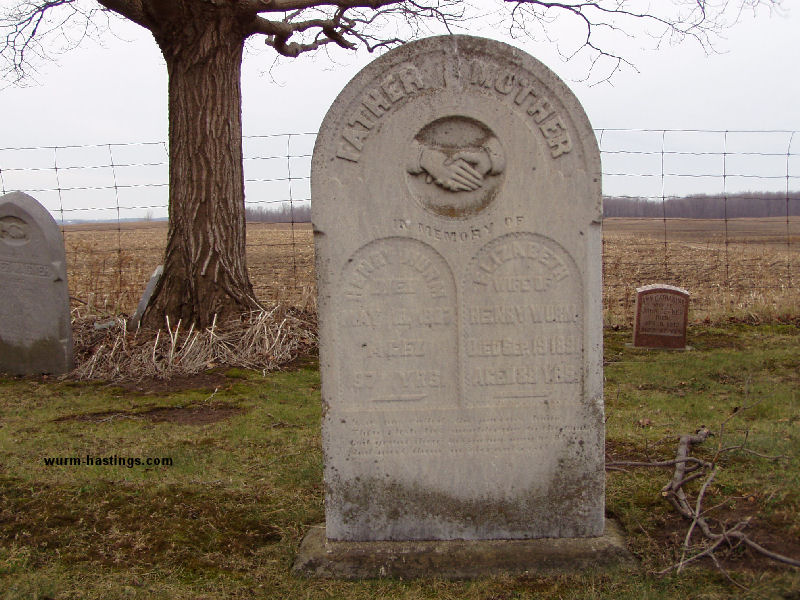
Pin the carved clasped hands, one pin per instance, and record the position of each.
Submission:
(454, 174)
(464, 171)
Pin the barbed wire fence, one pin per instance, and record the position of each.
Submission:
(716, 212)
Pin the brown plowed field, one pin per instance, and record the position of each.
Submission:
(755, 274)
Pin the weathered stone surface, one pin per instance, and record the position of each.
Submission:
(456, 207)
(35, 328)
(136, 319)
(459, 559)
(662, 315)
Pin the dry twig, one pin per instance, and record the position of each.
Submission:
(675, 493)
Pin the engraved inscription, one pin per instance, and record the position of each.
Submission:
(662, 314)
(397, 324)
(523, 339)
(537, 346)
(454, 434)
(398, 347)
(378, 100)
(459, 234)
(454, 166)
(16, 315)
(22, 321)
(435, 232)
(25, 269)
(544, 267)
(523, 314)
(548, 373)
(528, 96)
(365, 281)
(661, 317)
(14, 231)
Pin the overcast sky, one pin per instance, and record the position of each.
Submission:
(115, 91)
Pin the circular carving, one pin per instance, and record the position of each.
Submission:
(13, 231)
(455, 167)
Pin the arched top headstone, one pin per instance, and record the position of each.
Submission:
(35, 327)
(479, 105)
(456, 209)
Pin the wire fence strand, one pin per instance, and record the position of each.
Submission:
(714, 211)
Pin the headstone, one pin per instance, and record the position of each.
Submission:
(662, 314)
(457, 215)
(136, 319)
(35, 326)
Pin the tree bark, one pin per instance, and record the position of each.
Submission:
(205, 270)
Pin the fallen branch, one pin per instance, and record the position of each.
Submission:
(687, 469)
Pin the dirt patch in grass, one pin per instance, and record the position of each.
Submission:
(303, 361)
(671, 533)
(185, 415)
(208, 380)
(193, 415)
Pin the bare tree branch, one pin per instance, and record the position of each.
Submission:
(665, 22)
(293, 27)
(675, 493)
(130, 9)
(351, 23)
(25, 24)
(329, 31)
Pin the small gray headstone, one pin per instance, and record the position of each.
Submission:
(662, 315)
(456, 208)
(35, 325)
(145, 299)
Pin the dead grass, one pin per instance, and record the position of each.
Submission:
(750, 277)
(109, 266)
(261, 340)
(754, 276)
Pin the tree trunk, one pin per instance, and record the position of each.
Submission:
(205, 271)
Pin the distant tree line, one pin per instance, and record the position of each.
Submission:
(285, 213)
(702, 206)
(697, 206)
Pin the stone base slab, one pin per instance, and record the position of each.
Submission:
(681, 349)
(457, 559)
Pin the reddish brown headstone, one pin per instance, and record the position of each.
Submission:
(662, 313)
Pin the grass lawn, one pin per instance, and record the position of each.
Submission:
(224, 520)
